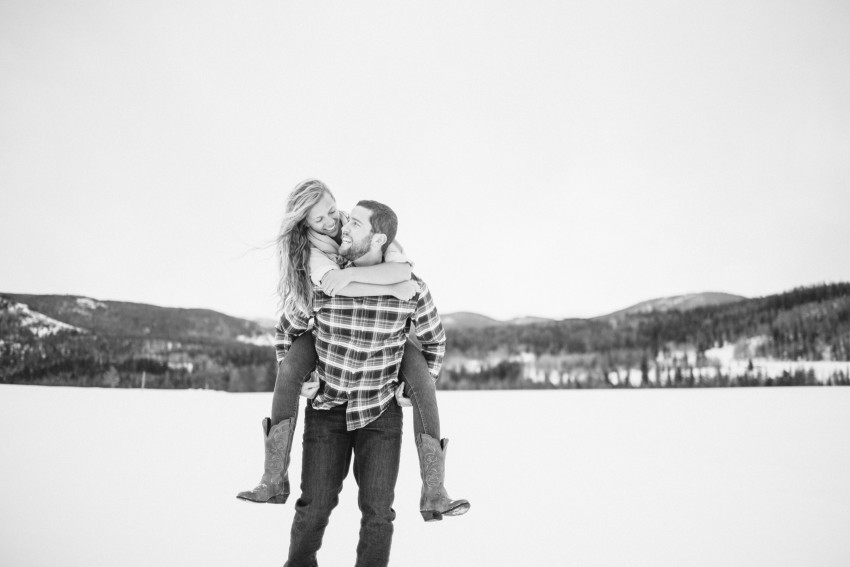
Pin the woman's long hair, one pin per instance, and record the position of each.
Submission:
(294, 287)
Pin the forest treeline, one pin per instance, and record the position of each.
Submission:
(86, 360)
(509, 375)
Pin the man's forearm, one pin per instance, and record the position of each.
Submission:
(434, 354)
(357, 289)
(429, 329)
(283, 342)
(289, 328)
(381, 274)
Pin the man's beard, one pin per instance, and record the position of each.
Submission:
(357, 249)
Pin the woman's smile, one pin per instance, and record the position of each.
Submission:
(323, 217)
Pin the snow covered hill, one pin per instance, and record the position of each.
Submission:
(468, 320)
(126, 319)
(38, 324)
(676, 302)
(73, 340)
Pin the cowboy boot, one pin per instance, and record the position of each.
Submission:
(274, 486)
(435, 502)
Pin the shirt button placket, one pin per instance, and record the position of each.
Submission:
(356, 334)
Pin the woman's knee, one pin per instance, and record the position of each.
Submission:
(414, 369)
(417, 383)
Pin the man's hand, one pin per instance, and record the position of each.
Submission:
(310, 388)
(400, 398)
(405, 290)
(335, 280)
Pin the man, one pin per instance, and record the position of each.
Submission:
(359, 342)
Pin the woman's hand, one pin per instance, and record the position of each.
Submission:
(405, 290)
(310, 388)
(335, 280)
(400, 398)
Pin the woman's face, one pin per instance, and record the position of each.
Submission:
(323, 217)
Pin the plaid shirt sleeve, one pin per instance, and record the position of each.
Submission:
(429, 330)
(293, 323)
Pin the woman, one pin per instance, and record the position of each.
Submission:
(308, 254)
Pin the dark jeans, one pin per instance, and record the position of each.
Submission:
(299, 362)
(328, 448)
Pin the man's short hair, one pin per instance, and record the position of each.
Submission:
(383, 221)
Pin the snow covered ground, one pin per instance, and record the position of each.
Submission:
(732, 477)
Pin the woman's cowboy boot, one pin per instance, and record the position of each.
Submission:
(274, 486)
(435, 502)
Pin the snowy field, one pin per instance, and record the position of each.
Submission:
(734, 477)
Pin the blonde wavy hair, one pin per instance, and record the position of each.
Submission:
(294, 287)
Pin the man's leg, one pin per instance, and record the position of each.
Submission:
(327, 456)
(377, 448)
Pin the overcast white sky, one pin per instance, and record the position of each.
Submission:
(545, 158)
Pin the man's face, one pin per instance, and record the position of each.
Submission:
(356, 234)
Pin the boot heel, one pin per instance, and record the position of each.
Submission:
(431, 515)
(279, 499)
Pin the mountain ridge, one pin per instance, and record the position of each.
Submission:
(807, 323)
(130, 319)
(684, 302)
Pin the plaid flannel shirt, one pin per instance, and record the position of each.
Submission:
(360, 342)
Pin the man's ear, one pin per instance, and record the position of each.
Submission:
(379, 239)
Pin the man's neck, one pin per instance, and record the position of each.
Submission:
(370, 258)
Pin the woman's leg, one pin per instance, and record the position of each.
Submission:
(434, 502)
(279, 429)
(420, 388)
(292, 372)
